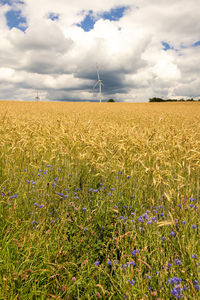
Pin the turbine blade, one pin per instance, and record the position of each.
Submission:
(95, 84)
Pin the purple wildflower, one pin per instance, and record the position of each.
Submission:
(178, 262)
(131, 282)
(172, 233)
(134, 252)
(174, 280)
(177, 292)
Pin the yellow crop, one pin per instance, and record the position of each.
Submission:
(156, 142)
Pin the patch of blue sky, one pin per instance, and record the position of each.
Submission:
(166, 46)
(196, 44)
(15, 19)
(3, 2)
(88, 23)
(113, 15)
(53, 16)
(11, 2)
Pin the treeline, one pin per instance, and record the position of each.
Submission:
(155, 99)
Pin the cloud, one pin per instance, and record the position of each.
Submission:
(144, 48)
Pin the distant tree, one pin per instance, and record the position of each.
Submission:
(170, 100)
(156, 100)
(111, 100)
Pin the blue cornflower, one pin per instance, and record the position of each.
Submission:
(147, 276)
(178, 262)
(132, 263)
(196, 285)
(84, 208)
(172, 233)
(61, 194)
(140, 219)
(86, 228)
(149, 222)
(109, 262)
(162, 215)
(34, 222)
(145, 216)
(183, 222)
(131, 281)
(157, 272)
(134, 252)
(173, 280)
(177, 292)
(124, 266)
(194, 226)
(40, 206)
(185, 287)
(96, 263)
(194, 256)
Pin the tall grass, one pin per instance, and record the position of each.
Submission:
(99, 200)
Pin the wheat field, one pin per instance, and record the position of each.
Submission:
(152, 150)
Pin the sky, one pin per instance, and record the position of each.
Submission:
(143, 49)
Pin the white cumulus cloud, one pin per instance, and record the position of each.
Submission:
(149, 51)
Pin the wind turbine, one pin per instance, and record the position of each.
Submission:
(100, 83)
(37, 98)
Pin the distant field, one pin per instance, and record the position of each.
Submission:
(99, 200)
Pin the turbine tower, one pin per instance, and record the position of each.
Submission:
(100, 83)
(37, 98)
